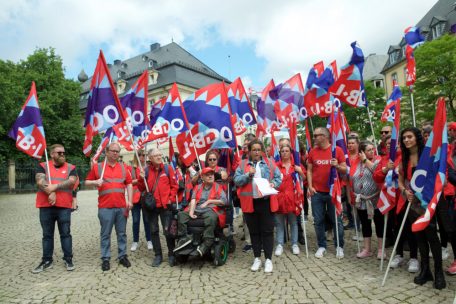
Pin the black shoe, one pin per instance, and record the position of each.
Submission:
(43, 266)
(124, 261)
(302, 240)
(389, 242)
(247, 248)
(424, 276)
(69, 264)
(439, 282)
(105, 266)
(204, 247)
(157, 261)
(171, 260)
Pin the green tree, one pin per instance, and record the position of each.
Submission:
(436, 75)
(58, 99)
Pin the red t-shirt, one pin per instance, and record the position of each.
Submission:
(321, 167)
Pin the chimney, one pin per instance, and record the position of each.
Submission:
(117, 61)
(154, 46)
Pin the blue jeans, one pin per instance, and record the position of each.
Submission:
(136, 216)
(321, 203)
(280, 228)
(48, 217)
(110, 217)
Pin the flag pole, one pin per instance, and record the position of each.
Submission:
(105, 160)
(336, 222)
(129, 128)
(47, 165)
(303, 224)
(372, 128)
(413, 105)
(354, 214)
(383, 242)
(395, 243)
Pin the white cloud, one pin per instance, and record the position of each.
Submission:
(290, 35)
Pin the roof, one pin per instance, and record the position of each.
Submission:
(373, 65)
(443, 11)
(173, 63)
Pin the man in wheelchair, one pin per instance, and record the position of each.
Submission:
(208, 203)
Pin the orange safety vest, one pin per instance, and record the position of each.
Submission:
(111, 185)
(215, 193)
(245, 193)
(64, 197)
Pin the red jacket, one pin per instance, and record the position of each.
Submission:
(290, 197)
(166, 189)
(134, 171)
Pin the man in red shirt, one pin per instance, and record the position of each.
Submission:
(319, 163)
(111, 186)
(55, 202)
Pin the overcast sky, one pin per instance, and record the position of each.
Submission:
(254, 39)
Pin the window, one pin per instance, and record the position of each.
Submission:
(394, 77)
(378, 84)
(403, 51)
(437, 30)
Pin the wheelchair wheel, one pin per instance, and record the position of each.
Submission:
(231, 245)
(220, 253)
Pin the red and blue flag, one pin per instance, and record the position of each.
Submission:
(241, 109)
(337, 137)
(103, 108)
(413, 37)
(27, 130)
(429, 177)
(410, 71)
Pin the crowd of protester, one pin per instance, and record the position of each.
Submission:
(188, 192)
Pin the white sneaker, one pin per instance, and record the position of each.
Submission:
(295, 249)
(149, 245)
(268, 266)
(413, 265)
(134, 246)
(397, 261)
(279, 250)
(445, 253)
(256, 264)
(320, 252)
(357, 238)
(339, 252)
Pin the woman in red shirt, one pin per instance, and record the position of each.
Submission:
(290, 200)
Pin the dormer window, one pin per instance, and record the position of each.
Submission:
(144, 58)
(437, 26)
(121, 86)
(153, 76)
(124, 65)
(120, 74)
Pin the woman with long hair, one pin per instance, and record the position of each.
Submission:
(290, 200)
(258, 208)
(412, 145)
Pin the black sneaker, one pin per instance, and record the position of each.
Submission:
(43, 266)
(171, 260)
(157, 261)
(124, 261)
(69, 264)
(105, 266)
(247, 248)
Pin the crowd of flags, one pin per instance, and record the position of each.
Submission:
(214, 115)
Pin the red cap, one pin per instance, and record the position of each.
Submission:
(452, 126)
(208, 170)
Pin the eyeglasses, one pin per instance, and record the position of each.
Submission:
(60, 152)
(256, 150)
(157, 155)
(114, 151)
(384, 132)
(211, 159)
(140, 155)
(316, 135)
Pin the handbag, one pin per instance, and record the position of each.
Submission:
(147, 198)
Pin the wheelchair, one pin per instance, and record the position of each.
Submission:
(218, 253)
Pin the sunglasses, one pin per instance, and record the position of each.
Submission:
(60, 153)
(211, 159)
(384, 132)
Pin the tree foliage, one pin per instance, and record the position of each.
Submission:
(58, 99)
(436, 75)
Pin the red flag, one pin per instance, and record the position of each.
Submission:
(411, 67)
(28, 131)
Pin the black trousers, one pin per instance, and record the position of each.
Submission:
(366, 223)
(429, 238)
(407, 234)
(165, 218)
(261, 227)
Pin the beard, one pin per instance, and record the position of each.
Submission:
(59, 161)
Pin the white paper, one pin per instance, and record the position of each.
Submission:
(264, 187)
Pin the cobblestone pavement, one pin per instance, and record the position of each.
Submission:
(296, 279)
